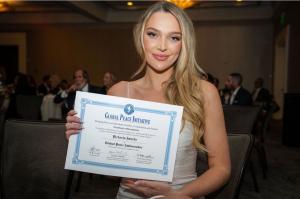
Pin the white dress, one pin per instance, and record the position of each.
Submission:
(185, 163)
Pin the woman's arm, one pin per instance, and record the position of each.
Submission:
(215, 140)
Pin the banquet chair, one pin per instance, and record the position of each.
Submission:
(242, 120)
(240, 146)
(260, 132)
(33, 159)
(28, 107)
(3, 111)
(4, 103)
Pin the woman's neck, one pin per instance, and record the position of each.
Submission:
(154, 80)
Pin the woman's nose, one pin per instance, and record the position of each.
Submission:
(162, 45)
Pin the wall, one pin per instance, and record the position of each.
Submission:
(288, 14)
(61, 50)
(222, 48)
(240, 47)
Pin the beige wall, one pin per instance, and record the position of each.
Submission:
(222, 49)
(244, 48)
(61, 50)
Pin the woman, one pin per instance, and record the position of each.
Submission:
(109, 79)
(164, 38)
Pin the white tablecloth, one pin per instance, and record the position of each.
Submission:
(49, 109)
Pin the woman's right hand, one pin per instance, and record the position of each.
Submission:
(73, 125)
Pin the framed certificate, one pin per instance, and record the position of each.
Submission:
(125, 137)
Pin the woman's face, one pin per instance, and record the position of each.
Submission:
(162, 41)
(107, 79)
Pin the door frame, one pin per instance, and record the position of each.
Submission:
(282, 44)
(16, 39)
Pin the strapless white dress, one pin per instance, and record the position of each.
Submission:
(185, 164)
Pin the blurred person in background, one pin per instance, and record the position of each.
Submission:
(260, 95)
(80, 83)
(239, 95)
(45, 87)
(54, 84)
(109, 79)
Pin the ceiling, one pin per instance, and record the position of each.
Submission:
(122, 5)
(60, 6)
(118, 11)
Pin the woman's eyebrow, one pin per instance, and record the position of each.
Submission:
(150, 28)
(156, 30)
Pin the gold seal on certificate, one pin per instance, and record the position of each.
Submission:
(125, 137)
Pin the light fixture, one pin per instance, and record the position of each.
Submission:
(6, 5)
(183, 3)
(129, 3)
(3, 6)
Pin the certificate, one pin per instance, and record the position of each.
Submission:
(125, 137)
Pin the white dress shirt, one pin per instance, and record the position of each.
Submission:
(233, 95)
(255, 94)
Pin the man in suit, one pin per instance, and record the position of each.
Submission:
(45, 87)
(239, 95)
(260, 95)
(80, 83)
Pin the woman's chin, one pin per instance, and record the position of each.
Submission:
(161, 68)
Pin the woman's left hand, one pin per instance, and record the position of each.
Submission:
(147, 188)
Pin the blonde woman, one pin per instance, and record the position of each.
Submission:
(164, 38)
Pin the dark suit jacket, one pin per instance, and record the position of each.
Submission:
(263, 96)
(243, 98)
(68, 103)
(263, 99)
(103, 90)
(42, 89)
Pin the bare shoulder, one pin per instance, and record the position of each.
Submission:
(210, 92)
(119, 89)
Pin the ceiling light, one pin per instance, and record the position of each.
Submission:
(183, 3)
(3, 7)
(129, 3)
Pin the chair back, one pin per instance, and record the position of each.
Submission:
(33, 160)
(240, 119)
(268, 118)
(240, 148)
(4, 103)
(29, 107)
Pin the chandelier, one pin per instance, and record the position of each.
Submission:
(5, 5)
(183, 3)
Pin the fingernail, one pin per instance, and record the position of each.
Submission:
(137, 182)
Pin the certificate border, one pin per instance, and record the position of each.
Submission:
(162, 171)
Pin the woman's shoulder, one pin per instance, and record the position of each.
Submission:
(210, 92)
(119, 89)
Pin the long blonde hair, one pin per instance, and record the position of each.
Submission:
(183, 88)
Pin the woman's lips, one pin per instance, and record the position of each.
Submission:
(160, 57)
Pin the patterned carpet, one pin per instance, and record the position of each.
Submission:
(283, 177)
(282, 182)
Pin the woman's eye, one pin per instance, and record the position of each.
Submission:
(175, 38)
(151, 34)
